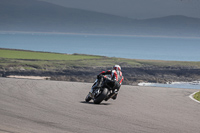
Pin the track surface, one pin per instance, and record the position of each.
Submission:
(39, 106)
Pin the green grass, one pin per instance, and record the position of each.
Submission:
(19, 54)
(197, 96)
(29, 60)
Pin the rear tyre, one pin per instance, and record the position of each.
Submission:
(101, 97)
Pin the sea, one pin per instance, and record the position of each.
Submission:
(123, 46)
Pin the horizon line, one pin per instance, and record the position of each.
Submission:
(95, 34)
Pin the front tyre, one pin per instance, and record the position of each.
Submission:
(101, 97)
(88, 98)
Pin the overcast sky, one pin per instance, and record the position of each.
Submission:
(137, 9)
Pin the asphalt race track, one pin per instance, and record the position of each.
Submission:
(40, 106)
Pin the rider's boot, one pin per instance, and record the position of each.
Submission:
(115, 96)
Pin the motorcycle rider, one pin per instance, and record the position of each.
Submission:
(115, 81)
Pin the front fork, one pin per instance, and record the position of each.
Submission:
(96, 84)
(91, 93)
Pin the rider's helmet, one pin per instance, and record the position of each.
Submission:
(117, 68)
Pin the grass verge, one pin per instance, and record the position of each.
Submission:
(197, 96)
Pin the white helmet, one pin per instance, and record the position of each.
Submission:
(116, 67)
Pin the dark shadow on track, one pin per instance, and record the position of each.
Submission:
(94, 104)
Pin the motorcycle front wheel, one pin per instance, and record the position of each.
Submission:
(101, 96)
(88, 98)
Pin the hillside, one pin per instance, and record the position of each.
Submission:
(84, 68)
(34, 15)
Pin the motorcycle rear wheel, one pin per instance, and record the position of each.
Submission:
(101, 97)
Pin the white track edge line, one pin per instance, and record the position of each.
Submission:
(191, 97)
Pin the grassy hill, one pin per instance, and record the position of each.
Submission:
(84, 68)
(34, 15)
(31, 55)
(14, 54)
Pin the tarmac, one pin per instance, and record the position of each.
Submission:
(43, 106)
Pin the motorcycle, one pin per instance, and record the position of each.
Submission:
(105, 92)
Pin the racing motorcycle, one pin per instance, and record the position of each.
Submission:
(105, 92)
